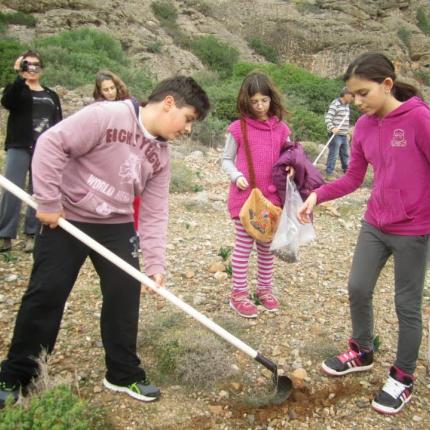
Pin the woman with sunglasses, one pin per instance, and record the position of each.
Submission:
(33, 108)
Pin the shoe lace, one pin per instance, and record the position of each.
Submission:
(5, 387)
(394, 388)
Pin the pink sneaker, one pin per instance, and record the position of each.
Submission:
(268, 300)
(242, 304)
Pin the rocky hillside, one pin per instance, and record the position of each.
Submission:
(321, 35)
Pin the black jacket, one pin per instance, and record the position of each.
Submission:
(18, 101)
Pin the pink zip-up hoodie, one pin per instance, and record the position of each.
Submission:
(398, 148)
(92, 164)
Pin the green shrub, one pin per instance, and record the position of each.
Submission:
(201, 5)
(73, 57)
(423, 21)
(423, 77)
(307, 125)
(10, 50)
(155, 47)
(164, 10)
(215, 54)
(18, 18)
(262, 48)
(55, 409)
(405, 36)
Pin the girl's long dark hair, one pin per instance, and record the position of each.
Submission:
(376, 67)
(258, 82)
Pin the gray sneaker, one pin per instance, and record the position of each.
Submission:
(6, 391)
(141, 390)
(29, 244)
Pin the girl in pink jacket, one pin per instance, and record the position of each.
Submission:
(393, 136)
(259, 105)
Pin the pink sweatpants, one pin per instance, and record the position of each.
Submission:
(242, 249)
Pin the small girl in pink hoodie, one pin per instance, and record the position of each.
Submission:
(260, 107)
(393, 136)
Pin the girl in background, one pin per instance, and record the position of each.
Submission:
(260, 107)
(110, 86)
(393, 136)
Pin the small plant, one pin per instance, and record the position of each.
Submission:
(58, 408)
(423, 21)
(155, 47)
(229, 269)
(224, 252)
(405, 36)
(255, 299)
(377, 343)
(197, 188)
(8, 257)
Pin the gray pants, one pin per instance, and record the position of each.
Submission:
(18, 164)
(410, 258)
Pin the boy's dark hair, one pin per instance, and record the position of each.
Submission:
(258, 82)
(376, 67)
(186, 92)
(35, 54)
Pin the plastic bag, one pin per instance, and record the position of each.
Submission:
(291, 233)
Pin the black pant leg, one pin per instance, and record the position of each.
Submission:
(57, 260)
(120, 309)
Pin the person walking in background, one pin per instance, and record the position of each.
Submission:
(260, 108)
(393, 136)
(33, 108)
(88, 169)
(337, 122)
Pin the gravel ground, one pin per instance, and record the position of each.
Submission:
(229, 387)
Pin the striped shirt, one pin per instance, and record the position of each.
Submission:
(335, 114)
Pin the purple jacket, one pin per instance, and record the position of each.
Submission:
(398, 148)
(306, 177)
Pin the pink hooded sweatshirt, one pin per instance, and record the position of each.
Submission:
(398, 148)
(92, 164)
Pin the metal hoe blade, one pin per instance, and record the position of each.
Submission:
(283, 384)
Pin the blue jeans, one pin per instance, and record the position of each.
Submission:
(338, 146)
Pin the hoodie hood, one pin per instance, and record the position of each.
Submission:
(396, 115)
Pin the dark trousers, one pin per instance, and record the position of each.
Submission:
(410, 259)
(58, 258)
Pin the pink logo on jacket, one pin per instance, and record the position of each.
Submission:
(399, 138)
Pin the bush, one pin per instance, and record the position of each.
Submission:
(405, 36)
(18, 18)
(73, 57)
(423, 77)
(307, 125)
(55, 409)
(10, 50)
(215, 54)
(262, 48)
(422, 21)
(182, 178)
(164, 10)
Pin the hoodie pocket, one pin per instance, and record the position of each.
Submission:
(99, 206)
(393, 210)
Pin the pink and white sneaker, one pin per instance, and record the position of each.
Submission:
(243, 305)
(268, 300)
